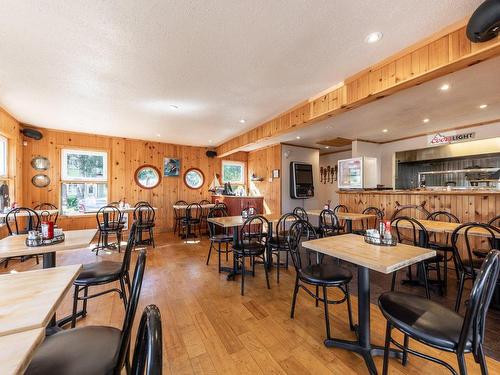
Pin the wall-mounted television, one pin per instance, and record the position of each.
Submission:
(301, 180)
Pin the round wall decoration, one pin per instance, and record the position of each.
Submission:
(40, 163)
(194, 178)
(147, 176)
(40, 180)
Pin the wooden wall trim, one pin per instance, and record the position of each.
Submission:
(444, 52)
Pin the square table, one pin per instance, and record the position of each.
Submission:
(17, 350)
(349, 217)
(13, 246)
(385, 259)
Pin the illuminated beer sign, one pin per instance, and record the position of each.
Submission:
(449, 137)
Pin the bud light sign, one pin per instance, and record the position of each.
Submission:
(447, 138)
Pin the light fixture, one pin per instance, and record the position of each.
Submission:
(425, 120)
(158, 135)
(373, 37)
(297, 137)
(173, 106)
(384, 130)
(483, 106)
(445, 87)
(242, 121)
(327, 146)
(209, 141)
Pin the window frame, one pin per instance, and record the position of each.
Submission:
(243, 171)
(64, 167)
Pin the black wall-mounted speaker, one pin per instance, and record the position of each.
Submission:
(32, 133)
(484, 23)
(211, 154)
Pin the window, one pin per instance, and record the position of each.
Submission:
(84, 176)
(233, 172)
(3, 156)
(193, 178)
(147, 176)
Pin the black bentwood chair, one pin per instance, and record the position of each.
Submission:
(432, 324)
(312, 271)
(192, 220)
(279, 242)
(20, 221)
(144, 216)
(468, 268)
(340, 208)
(91, 349)
(252, 244)
(148, 356)
(370, 223)
(179, 215)
(104, 272)
(47, 207)
(328, 224)
(218, 235)
(109, 221)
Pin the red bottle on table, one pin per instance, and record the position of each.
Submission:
(48, 230)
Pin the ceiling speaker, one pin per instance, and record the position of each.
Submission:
(211, 154)
(484, 23)
(32, 133)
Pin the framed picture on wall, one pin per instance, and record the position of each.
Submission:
(171, 167)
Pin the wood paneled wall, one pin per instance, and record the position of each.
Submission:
(262, 163)
(124, 157)
(445, 52)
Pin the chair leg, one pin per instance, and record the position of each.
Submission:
(404, 360)
(152, 237)
(266, 272)
(124, 294)
(278, 265)
(75, 306)
(349, 307)
(387, 346)
(327, 317)
(459, 292)
(85, 294)
(294, 298)
(227, 252)
(438, 273)
(218, 256)
(462, 367)
(317, 295)
(426, 282)
(445, 281)
(209, 252)
(253, 265)
(393, 283)
(482, 361)
(242, 275)
(126, 276)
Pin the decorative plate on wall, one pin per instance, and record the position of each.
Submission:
(194, 178)
(40, 180)
(40, 163)
(147, 176)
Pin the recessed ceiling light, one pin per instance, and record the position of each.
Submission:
(173, 106)
(242, 121)
(425, 120)
(158, 135)
(373, 37)
(209, 141)
(297, 137)
(327, 146)
(445, 87)
(385, 131)
(483, 106)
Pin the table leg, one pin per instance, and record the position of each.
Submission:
(348, 225)
(269, 254)
(49, 260)
(363, 346)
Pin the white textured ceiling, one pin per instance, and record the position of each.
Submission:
(402, 114)
(115, 67)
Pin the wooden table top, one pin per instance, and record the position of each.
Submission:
(12, 246)
(183, 206)
(29, 299)
(353, 248)
(344, 215)
(93, 213)
(444, 227)
(24, 213)
(237, 221)
(16, 350)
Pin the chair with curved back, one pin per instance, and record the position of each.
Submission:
(21, 220)
(328, 223)
(179, 214)
(142, 203)
(370, 223)
(192, 220)
(252, 243)
(204, 213)
(468, 268)
(101, 273)
(109, 221)
(148, 350)
(218, 236)
(402, 210)
(279, 242)
(444, 245)
(495, 221)
(430, 323)
(91, 349)
(301, 213)
(144, 216)
(417, 230)
(310, 270)
(340, 208)
(45, 208)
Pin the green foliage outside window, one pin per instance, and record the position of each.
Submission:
(232, 173)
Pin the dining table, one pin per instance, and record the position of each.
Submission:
(25, 213)
(349, 217)
(368, 257)
(28, 301)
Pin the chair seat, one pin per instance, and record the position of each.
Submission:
(440, 246)
(249, 248)
(280, 241)
(190, 221)
(423, 319)
(99, 272)
(326, 274)
(111, 227)
(80, 351)
(221, 238)
(145, 226)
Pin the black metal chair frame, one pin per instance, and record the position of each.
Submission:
(365, 224)
(216, 237)
(109, 221)
(179, 215)
(123, 277)
(299, 230)
(33, 223)
(148, 350)
(279, 242)
(144, 216)
(48, 207)
(252, 244)
(473, 324)
(301, 213)
(466, 268)
(493, 221)
(328, 223)
(340, 208)
(192, 220)
(204, 213)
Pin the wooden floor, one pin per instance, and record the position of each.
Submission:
(208, 328)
